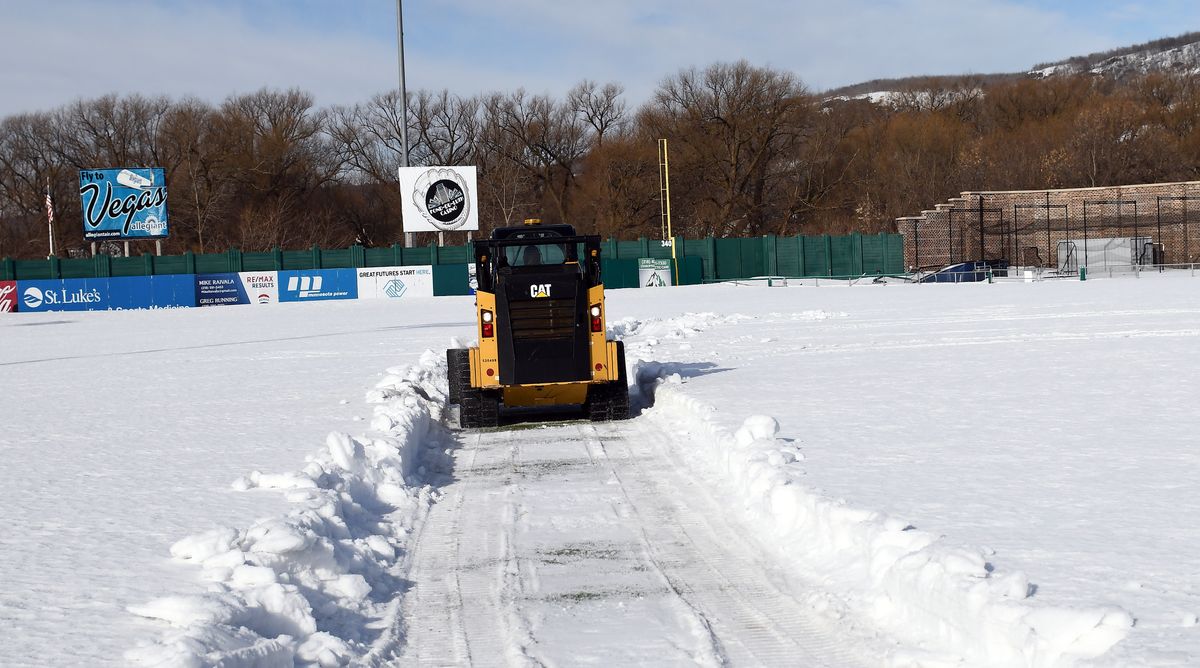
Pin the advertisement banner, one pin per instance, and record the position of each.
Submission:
(317, 284)
(139, 292)
(82, 294)
(439, 199)
(395, 282)
(8, 296)
(248, 287)
(654, 272)
(107, 294)
(123, 203)
(262, 287)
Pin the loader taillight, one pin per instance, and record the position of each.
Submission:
(488, 332)
(597, 322)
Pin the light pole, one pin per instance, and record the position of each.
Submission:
(408, 241)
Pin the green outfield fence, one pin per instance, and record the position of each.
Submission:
(703, 260)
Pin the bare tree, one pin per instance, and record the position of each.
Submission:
(544, 138)
(447, 126)
(200, 170)
(733, 121)
(601, 108)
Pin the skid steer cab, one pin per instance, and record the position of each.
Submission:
(539, 310)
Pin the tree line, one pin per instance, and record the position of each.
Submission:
(752, 151)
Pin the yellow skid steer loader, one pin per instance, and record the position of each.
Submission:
(539, 310)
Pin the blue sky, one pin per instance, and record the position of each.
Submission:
(345, 52)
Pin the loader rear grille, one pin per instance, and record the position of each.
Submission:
(542, 319)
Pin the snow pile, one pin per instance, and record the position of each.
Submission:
(810, 315)
(314, 587)
(652, 330)
(944, 598)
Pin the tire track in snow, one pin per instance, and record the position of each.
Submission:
(436, 637)
(580, 542)
(455, 614)
(752, 620)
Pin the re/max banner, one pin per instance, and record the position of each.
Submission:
(123, 203)
(248, 287)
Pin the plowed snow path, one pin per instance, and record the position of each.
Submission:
(581, 543)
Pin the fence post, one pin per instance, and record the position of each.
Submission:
(189, 262)
(886, 248)
(316, 257)
(103, 263)
(610, 251)
(149, 260)
(397, 255)
(861, 262)
(680, 244)
(643, 247)
(712, 253)
(803, 268)
(235, 260)
(358, 256)
(7, 270)
(771, 254)
(433, 253)
(55, 266)
(828, 254)
(277, 256)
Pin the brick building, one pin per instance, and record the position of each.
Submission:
(1060, 229)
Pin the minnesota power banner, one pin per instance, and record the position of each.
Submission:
(439, 199)
(123, 203)
(306, 285)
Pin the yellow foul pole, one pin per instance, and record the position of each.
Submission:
(664, 186)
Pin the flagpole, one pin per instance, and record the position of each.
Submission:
(50, 216)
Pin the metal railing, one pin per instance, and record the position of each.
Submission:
(1010, 275)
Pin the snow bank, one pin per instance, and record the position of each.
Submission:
(314, 587)
(943, 598)
(651, 330)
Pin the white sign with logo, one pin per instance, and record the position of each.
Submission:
(395, 282)
(439, 199)
(653, 272)
(262, 287)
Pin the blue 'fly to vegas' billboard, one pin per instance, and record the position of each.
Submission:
(123, 203)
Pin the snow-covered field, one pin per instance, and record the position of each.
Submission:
(966, 474)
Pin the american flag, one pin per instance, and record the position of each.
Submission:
(49, 204)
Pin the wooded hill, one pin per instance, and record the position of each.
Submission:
(752, 152)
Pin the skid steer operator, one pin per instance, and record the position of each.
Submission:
(532, 256)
